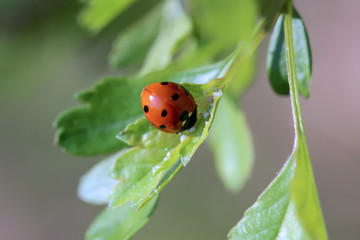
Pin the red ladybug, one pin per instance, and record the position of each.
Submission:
(169, 107)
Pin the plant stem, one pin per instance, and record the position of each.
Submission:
(291, 69)
(305, 193)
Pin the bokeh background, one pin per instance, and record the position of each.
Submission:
(45, 57)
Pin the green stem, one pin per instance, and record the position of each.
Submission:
(305, 195)
(290, 64)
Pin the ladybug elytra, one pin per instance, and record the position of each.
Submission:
(169, 106)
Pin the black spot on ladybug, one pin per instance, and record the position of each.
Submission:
(164, 83)
(184, 116)
(162, 126)
(146, 108)
(164, 113)
(186, 93)
(175, 96)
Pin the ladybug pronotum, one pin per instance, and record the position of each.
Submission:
(169, 106)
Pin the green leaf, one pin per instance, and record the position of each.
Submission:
(120, 223)
(156, 156)
(91, 129)
(146, 168)
(111, 105)
(304, 194)
(289, 208)
(271, 217)
(135, 170)
(95, 186)
(175, 27)
(275, 214)
(205, 74)
(276, 59)
(231, 143)
(98, 13)
(131, 46)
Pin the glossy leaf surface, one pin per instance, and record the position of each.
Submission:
(276, 59)
(273, 215)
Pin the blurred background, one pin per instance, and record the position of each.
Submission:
(45, 57)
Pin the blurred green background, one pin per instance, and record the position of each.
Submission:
(45, 57)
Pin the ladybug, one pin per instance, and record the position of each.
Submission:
(169, 106)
